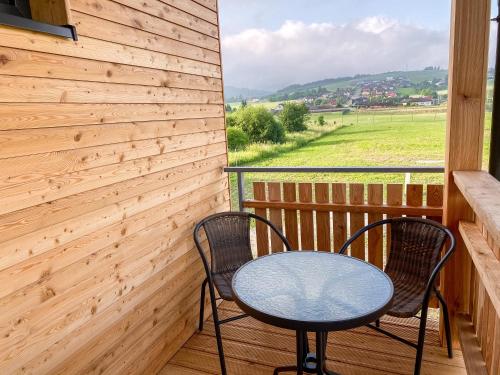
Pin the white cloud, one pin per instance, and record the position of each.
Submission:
(299, 52)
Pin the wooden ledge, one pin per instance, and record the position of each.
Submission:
(482, 192)
(485, 261)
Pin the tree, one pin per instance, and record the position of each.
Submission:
(229, 109)
(243, 103)
(294, 116)
(259, 124)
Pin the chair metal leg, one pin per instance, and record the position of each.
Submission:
(218, 335)
(446, 317)
(202, 305)
(377, 323)
(421, 340)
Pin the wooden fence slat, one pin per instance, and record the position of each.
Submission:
(472, 292)
(492, 315)
(484, 324)
(339, 218)
(435, 199)
(495, 355)
(480, 310)
(357, 220)
(291, 227)
(394, 197)
(306, 218)
(322, 195)
(414, 195)
(261, 230)
(375, 236)
(274, 189)
(475, 301)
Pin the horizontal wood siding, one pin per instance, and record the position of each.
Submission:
(111, 148)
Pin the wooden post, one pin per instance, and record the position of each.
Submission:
(464, 133)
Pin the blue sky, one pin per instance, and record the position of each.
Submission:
(269, 44)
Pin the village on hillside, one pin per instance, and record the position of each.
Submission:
(370, 92)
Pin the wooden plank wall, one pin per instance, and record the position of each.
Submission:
(111, 148)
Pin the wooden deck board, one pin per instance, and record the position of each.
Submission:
(252, 347)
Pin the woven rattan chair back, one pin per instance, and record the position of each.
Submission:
(415, 249)
(229, 240)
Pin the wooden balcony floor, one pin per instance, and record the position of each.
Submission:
(254, 348)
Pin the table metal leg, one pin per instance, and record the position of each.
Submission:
(310, 363)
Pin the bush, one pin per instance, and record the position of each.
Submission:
(231, 120)
(259, 125)
(236, 139)
(321, 120)
(294, 116)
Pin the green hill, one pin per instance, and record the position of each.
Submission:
(342, 82)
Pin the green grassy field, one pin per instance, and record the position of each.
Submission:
(372, 138)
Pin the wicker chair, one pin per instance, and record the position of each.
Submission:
(228, 235)
(413, 264)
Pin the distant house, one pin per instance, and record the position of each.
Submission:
(422, 101)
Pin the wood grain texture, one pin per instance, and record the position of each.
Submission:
(100, 50)
(394, 197)
(375, 236)
(306, 218)
(339, 218)
(357, 219)
(53, 12)
(97, 28)
(485, 262)
(17, 62)
(112, 147)
(261, 229)
(482, 192)
(252, 347)
(291, 223)
(143, 21)
(322, 195)
(275, 216)
(469, 45)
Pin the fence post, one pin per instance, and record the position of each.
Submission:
(241, 190)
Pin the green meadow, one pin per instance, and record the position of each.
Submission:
(365, 138)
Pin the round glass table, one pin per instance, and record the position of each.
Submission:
(309, 291)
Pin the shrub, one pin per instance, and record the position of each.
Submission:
(294, 116)
(231, 120)
(321, 120)
(236, 139)
(259, 125)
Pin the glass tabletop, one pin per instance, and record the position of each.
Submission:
(317, 289)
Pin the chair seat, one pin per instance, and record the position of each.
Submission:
(222, 282)
(408, 297)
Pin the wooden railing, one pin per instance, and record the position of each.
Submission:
(479, 326)
(322, 216)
